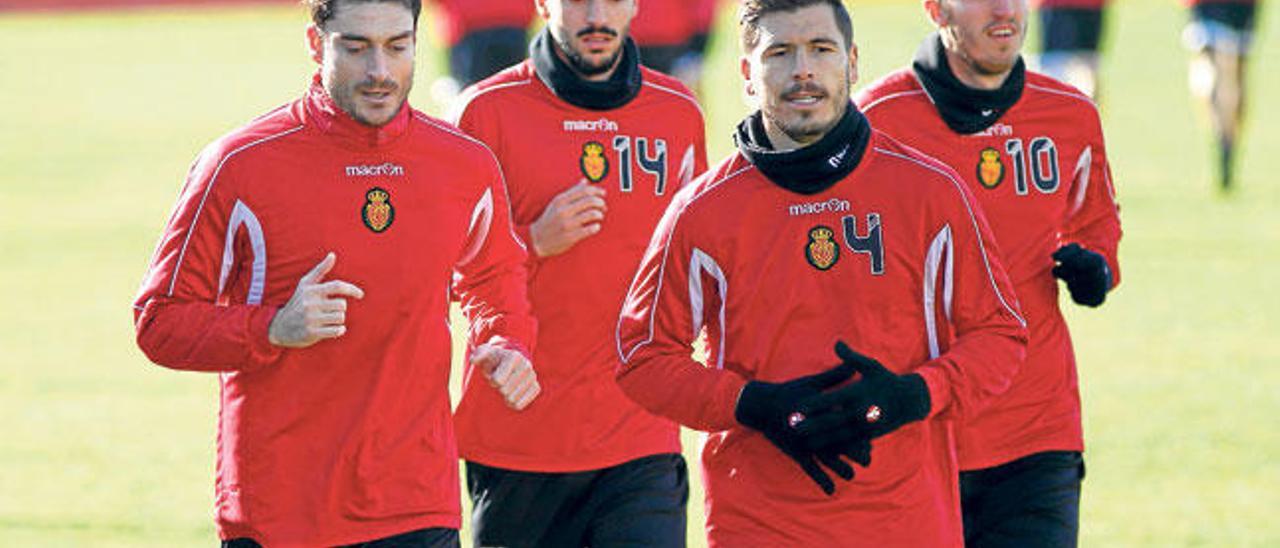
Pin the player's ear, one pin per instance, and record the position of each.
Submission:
(853, 64)
(934, 9)
(744, 66)
(315, 43)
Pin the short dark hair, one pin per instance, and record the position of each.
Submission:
(750, 12)
(323, 10)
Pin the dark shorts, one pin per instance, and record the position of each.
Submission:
(482, 53)
(662, 58)
(636, 503)
(1032, 501)
(1225, 26)
(422, 538)
(1070, 29)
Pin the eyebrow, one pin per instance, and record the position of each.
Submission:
(367, 40)
(818, 40)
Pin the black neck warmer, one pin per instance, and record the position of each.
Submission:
(618, 90)
(810, 169)
(964, 109)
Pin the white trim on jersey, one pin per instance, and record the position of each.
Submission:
(623, 355)
(941, 247)
(699, 262)
(478, 231)
(982, 246)
(688, 165)
(894, 95)
(502, 178)
(1082, 180)
(177, 268)
(459, 106)
(677, 93)
(241, 215)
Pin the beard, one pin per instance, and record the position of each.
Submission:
(806, 127)
(347, 98)
(579, 61)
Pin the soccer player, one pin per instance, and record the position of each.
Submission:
(1031, 149)
(673, 36)
(594, 146)
(309, 262)
(1220, 35)
(820, 230)
(484, 36)
(1071, 31)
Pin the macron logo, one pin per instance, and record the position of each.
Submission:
(387, 169)
(834, 205)
(603, 124)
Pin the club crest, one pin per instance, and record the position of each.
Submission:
(593, 162)
(378, 213)
(821, 251)
(990, 168)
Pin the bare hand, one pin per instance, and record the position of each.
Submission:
(317, 310)
(508, 371)
(571, 216)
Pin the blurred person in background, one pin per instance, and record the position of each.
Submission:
(483, 37)
(1070, 36)
(673, 36)
(1220, 36)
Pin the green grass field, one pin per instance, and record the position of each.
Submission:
(100, 115)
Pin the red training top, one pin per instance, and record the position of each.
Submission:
(1041, 175)
(350, 439)
(641, 154)
(671, 22)
(460, 17)
(774, 278)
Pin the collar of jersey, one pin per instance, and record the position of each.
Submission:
(325, 115)
(965, 110)
(617, 91)
(811, 169)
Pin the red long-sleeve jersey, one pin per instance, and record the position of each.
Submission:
(671, 22)
(894, 259)
(641, 153)
(349, 439)
(1041, 175)
(459, 17)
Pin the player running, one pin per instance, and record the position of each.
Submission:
(821, 229)
(309, 262)
(594, 147)
(1031, 149)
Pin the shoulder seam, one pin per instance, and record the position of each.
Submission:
(468, 98)
(680, 94)
(213, 179)
(894, 95)
(1065, 93)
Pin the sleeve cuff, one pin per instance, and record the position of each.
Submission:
(939, 393)
(261, 351)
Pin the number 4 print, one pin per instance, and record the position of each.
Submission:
(1042, 155)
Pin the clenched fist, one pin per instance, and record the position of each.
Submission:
(570, 217)
(317, 310)
(508, 371)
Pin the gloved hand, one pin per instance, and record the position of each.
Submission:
(1086, 272)
(771, 409)
(877, 404)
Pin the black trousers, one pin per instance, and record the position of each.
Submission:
(1070, 29)
(422, 538)
(637, 503)
(482, 53)
(1030, 502)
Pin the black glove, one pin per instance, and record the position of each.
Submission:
(877, 404)
(771, 409)
(1086, 273)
